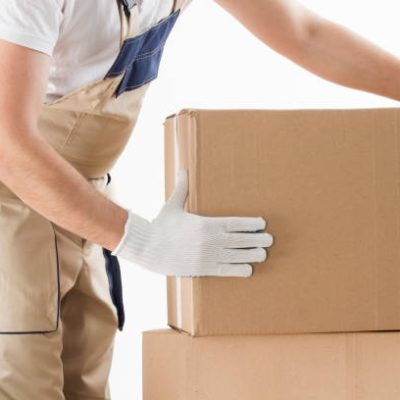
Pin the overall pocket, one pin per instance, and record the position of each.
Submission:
(29, 270)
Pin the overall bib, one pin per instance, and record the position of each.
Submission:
(60, 294)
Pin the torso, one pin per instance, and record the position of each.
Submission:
(89, 41)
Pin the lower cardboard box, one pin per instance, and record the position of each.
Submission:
(327, 366)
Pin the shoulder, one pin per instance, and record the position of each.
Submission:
(31, 23)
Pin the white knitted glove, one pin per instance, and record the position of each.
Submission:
(178, 243)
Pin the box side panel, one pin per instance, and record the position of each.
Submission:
(355, 366)
(165, 369)
(327, 182)
(386, 271)
(360, 366)
(172, 303)
(179, 155)
(272, 367)
(374, 366)
(169, 168)
(169, 155)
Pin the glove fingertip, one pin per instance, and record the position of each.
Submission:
(247, 270)
(263, 224)
(236, 270)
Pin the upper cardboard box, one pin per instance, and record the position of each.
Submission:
(328, 183)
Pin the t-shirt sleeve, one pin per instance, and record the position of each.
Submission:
(31, 23)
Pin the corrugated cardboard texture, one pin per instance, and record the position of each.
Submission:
(328, 184)
(343, 366)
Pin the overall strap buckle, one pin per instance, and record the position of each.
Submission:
(128, 4)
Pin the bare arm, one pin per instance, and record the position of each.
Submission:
(323, 47)
(32, 169)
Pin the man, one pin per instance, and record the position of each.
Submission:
(73, 75)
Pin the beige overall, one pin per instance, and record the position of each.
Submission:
(60, 295)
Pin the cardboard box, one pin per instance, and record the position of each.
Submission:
(328, 183)
(341, 366)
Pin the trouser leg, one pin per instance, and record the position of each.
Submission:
(31, 366)
(72, 361)
(90, 323)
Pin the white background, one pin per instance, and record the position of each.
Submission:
(212, 61)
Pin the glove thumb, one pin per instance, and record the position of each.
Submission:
(179, 195)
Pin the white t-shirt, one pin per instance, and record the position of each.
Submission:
(81, 36)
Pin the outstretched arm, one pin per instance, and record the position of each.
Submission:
(175, 243)
(325, 48)
(32, 169)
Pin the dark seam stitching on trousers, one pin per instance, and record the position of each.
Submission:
(85, 397)
(58, 298)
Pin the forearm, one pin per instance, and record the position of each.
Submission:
(37, 174)
(340, 55)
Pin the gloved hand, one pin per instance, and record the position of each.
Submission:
(178, 243)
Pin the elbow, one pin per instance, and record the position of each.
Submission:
(5, 150)
(312, 30)
(300, 39)
(306, 40)
(4, 145)
(13, 140)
